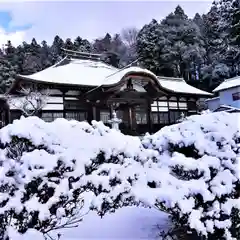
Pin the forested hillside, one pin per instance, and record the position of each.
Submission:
(203, 50)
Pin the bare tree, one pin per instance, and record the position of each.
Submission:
(29, 101)
(129, 36)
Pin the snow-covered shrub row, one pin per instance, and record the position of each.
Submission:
(203, 155)
(191, 170)
(42, 165)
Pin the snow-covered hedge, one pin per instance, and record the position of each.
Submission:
(191, 170)
(42, 169)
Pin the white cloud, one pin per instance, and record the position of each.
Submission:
(89, 19)
(16, 38)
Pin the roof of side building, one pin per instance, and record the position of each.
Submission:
(228, 83)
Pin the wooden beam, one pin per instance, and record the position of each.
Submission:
(149, 115)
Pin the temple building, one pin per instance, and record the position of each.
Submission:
(84, 88)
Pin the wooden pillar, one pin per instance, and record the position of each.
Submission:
(90, 111)
(94, 113)
(133, 115)
(7, 113)
(169, 122)
(130, 114)
(149, 117)
(64, 110)
(111, 110)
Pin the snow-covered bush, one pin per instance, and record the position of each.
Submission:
(42, 171)
(190, 170)
(36, 187)
(203, 155)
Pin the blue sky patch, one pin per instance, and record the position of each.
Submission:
(6, 18)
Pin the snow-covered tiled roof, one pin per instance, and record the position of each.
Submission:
(97, 73)
(83, 72)
(228, 83)
(178, 85)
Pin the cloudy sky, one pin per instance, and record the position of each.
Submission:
(21, 21)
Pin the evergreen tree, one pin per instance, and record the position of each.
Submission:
(68, 44)
(185, 47)
(81, 45)
(235, 25)
(46, 55)
(10, 53)
(215, 47)
(7, 73)
(172, 48)
(198, 20)
(32, 60)
(111, 48)
(103, 45)
(149, 46)
(56, 49)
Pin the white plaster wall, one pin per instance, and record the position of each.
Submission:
(213, 104)
(226, 97)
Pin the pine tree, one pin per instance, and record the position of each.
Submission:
(216, 47)
(56, 49)
(10, 53)
(32, 59)
(68, 44)
(149, 46)
(198, 20)
(227, 10)
(7, 72)
(81, 45)
(46, 55)
(103, 44)
(235, 25)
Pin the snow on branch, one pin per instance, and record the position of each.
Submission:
(29, 101)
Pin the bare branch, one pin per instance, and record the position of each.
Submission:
(129, 36)
(29, 101)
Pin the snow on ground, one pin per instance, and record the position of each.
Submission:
(125, 223)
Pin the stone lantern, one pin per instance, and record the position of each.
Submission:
(114, 121)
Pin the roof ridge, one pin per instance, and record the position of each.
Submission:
(171, 78)
(233, 78)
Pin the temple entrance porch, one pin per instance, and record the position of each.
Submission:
(134, 113)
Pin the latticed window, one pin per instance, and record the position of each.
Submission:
(72, 105)
(165, 111)
(163, 118)
(104, 116)
(141, 118)
(51, 116)
(155, 117)
(141, 115)
(78, 116)
(159, 106)
(174, 116)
